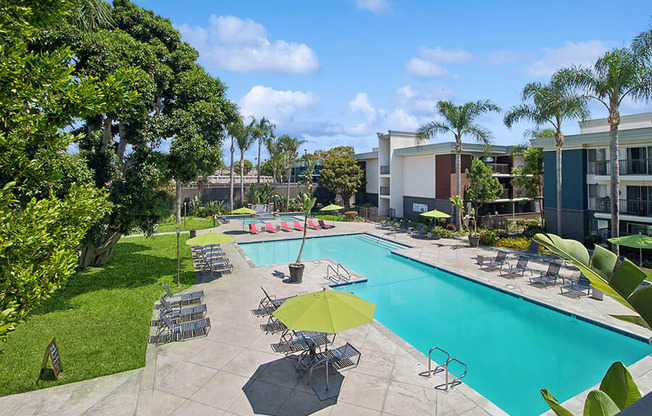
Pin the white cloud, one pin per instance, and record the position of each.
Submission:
(426, 69)
(580, 53)
(430, 62)
(374, 6)
(420, 103)
(277, 106)
(241, 45)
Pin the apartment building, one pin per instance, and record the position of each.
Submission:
(586, 178)
(405, 178)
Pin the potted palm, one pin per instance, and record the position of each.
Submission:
(307, 202)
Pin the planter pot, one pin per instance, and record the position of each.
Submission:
(296, 272)
(193, 233)
(474, 240)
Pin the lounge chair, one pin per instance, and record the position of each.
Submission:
(340, 358)
(191, 313)
(292, 342)
(168, 332)
(404, 226)
(268, 304)
(223, 219)
(520, 267)
(297, 226)
(312, 225)
(548, 277)
(269, 228)
(383, 224)
(180, 299)
(284, 226)
(419, 230)
(323, 225)
(220, 266)
(253, 229)
(583, 284)
(273, 326)
(501, 258)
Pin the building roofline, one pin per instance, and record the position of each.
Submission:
(625, 136)
(631, 118)
(448, 147)
(367, 155)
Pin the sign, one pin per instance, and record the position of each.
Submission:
(419, 207)
(51, 352)
(487, 159)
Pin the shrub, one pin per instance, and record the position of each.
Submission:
(368, 205)
(451, 227)
(590, 241)
(488, 238)
(517, 243)
(443, 232)
(350, 215)
(531, 230)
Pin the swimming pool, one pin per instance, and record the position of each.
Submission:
(512, 347)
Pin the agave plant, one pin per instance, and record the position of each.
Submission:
(267, 192)
(620, 284)
(253, 195)
(194, 206)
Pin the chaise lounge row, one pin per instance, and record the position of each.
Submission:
(284, 227)
(180, 317)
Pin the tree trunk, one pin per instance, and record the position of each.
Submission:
(242, 178)
(92, 255)
(260, 142)
(287, 202)
(614, 121)
(274, 173)
(231, 176)
(177, 190)
(458, 179)
(305, 228)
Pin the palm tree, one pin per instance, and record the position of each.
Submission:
(236, 129)
(273, 148)
(551, 104)
(244, 141)
(459, 120)
(618, 74)
(290, 149)
(261, 130)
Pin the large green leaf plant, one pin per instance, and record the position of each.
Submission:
(617, 390)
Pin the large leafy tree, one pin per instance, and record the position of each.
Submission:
(483, 188)
(530, 175)
(290, 150)
(459, 120)
(340, 172)
(47, 197)
(172, 129)
(620, 73)
(550, 105)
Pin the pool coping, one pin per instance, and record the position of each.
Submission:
(483, 402)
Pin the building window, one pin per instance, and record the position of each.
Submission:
(598, 164)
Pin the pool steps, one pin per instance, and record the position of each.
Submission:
(380, 241)
(444, 367)
(337, 274)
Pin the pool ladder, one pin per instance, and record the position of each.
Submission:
(337, 274)
(444, 367)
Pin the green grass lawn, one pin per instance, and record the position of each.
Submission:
(100, 318)
(191, 223)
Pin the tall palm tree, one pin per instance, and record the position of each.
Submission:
(275, 152)
(290, 149)
(550, 104)
(459, 120)
(618, 74)
(236, 129)
(244, 142)
(261, 130)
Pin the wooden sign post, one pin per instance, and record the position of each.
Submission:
(51, 352)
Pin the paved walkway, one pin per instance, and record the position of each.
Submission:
(233, 371)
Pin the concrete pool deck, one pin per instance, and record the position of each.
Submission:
(233, 370)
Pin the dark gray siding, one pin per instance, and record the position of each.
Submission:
(443, 205)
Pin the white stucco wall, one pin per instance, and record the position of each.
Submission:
(372, 176)
(419, 176)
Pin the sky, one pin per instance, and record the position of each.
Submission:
(336, 72)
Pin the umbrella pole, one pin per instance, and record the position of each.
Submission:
(326, 362)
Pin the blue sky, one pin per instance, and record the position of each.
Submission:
(337, 72)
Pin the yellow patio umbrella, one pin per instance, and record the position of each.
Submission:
(332, 207)
(210, 239)
(326, 311)
(435, 214)
(638, 241)
(243, 211)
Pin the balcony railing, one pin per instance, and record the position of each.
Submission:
(625, 166)
(500, 168)
(505, 194)
(384, 170)
(384, 190)
(639, 207)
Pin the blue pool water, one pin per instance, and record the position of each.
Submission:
(512, 347)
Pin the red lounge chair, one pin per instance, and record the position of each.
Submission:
(253, 229)
(298, 226)
(324, 226)
(284, 226)
(313, 226)
(269, 228)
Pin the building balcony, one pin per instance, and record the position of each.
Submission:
(384, 170)
(384, 190)
(637, 207)
(499, 168)
(625, 166)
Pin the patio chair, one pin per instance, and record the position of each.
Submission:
(548, 277)
(324, 225)
(284, 226)
(297, 226)
(221, 267)
(583, 284)
(340, 358)
(520, 267)
(181, 299)
(383, 223)
(253, 229)
(312, 225)
(403, 226)
(191, 313)
(273, 326)
(418, 231)
(269, 228)
(268, 304)
(168, 332)
(293, 342)
(501, 258)
(223, 219)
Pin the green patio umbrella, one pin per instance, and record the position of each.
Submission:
(243, 210)
(209, 239)
(435, 214)
(638, 241)
(332, 207)
(326, 311)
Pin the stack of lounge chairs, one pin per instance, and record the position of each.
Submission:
(296, 225)
(211, 258)
(179, 317)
